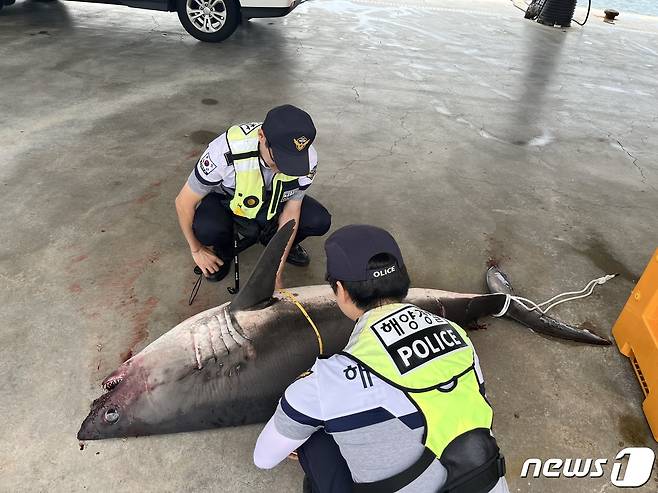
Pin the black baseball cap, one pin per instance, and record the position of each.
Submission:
(350, 248)
(289, 132)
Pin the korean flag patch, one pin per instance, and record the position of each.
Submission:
(206, 164)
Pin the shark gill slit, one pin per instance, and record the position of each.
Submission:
(226, 338)
(215, 330)
(212, 348)
(197, 350)
(235, 335)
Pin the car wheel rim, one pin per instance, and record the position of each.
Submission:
(208, 16)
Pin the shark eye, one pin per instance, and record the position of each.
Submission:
(111, 416)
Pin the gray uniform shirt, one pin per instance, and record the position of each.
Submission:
(378, 430)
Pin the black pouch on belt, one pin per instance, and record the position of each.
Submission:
(474, 463)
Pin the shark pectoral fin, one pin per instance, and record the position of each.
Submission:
(260, 286)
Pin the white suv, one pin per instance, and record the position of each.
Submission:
(215, 20)
(208, 20)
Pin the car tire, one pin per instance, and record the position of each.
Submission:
(209, 20)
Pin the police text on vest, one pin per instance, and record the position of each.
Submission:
(413, 337)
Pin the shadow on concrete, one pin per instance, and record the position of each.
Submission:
(33, 14)
(541, 59)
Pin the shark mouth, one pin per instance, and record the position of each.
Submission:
(110, 384)
(114, 379)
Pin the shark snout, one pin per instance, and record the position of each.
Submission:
(87, 432)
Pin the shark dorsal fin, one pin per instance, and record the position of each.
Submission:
(260, 286)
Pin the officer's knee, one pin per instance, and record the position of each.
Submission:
(325, 223)
(207, 231)
(319, 223)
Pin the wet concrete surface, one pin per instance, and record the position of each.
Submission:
(468, 132)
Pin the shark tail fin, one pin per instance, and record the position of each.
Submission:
(498, 282)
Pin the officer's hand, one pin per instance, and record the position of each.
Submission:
(207, 261)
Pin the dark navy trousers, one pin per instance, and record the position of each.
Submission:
(326, 470)
(214, 223)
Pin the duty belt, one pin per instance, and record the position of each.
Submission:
(479, 480)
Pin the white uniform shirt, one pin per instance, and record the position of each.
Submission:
(377, 428)
(212, 172)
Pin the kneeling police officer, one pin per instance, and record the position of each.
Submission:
(402, 407)
(249, 181)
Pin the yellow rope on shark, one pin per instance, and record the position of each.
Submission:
(292, 298)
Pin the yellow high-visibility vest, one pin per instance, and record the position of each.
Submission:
(249, 184)
(431, 360)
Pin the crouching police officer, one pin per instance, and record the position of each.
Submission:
(402, 407)
(253, 178)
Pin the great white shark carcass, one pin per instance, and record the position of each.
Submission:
(229, 365)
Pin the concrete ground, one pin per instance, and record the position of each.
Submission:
(468, 132)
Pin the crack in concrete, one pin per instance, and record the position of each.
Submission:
(400, 139)
(357, 96)
(390, 152)
(639, 168)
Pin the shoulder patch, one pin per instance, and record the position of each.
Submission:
(206, 164)
(249, 127)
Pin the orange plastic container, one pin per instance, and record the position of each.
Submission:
(636, 333)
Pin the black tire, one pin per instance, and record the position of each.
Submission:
(230, 14)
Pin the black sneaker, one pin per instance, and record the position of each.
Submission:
(215, 276)
(298, 256)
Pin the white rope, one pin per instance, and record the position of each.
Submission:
(552, 303)
(508, 300)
